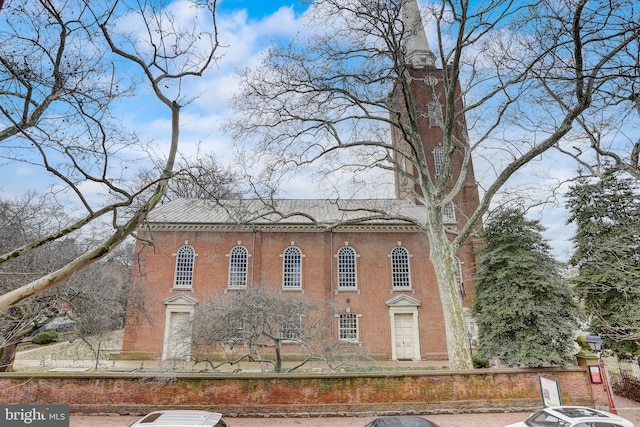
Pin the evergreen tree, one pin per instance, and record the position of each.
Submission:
(607, 257)
(526, 313)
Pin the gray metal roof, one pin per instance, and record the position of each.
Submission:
(318, 212)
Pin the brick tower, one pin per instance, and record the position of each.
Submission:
(427, 85)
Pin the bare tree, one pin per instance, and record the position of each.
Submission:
(606, 140)
(259, 325)
(94, 298)
(200, 178)
(22, 220)
(511, 77)
(97, 298)
(63, 65)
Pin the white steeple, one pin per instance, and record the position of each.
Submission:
(418, 53)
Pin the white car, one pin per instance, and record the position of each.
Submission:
(573, 416)
(181, 418)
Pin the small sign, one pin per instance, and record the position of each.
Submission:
(595, 374)
(550, 391)
(34, 415)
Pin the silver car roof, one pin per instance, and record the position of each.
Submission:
(179, 418)
(575, 414)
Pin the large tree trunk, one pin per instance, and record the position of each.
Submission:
(442, 257)
(278, 365)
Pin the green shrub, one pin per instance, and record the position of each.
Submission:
(480, 362)
(45, 337)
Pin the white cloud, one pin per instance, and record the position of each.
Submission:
(25, 171)
(243, 40)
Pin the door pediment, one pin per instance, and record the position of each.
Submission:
(181, 299)
(403, 301)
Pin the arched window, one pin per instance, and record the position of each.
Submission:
(438, 159)
(238, 267)
(185, 257)
(449, 213)
(400, 275)
(292, 268)
(347, 268)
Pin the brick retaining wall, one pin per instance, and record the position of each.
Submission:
(489, 390)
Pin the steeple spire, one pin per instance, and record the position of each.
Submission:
(418, 53)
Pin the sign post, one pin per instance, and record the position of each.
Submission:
(550, 391)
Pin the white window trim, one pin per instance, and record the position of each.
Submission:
(436, 117)
(438, 159)
(299, 338)
(357, 319)
(395, 288)
(449, 213)
(246, 272)
(174, 284)
(355, 287)
(282, 255)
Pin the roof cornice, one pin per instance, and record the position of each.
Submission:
(281, 227)
(284, 228)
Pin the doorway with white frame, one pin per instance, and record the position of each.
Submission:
(405, 334)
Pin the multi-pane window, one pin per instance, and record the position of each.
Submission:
(449, 213)
(238, 267)
(347, 268)
(348, 327)
(292, 268)
(400, 275)
(292, 330)
(435, 113)
(438, 159)
(185, 258)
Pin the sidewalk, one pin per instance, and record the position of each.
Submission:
(626, 408)
(466, 420)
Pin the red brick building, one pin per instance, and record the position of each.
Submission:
(374, 275)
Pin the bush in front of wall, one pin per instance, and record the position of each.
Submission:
(45, 337)
(480, 362)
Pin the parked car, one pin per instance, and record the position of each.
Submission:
(181, 418)
(403, 421)
(573, 416)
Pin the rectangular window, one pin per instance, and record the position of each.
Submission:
(292, 331)
(348, 327)
(435, 113)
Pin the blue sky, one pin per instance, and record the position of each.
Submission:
(261, 8)
(246, 28)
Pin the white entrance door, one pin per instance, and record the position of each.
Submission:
(403, 325)
(179, 343)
